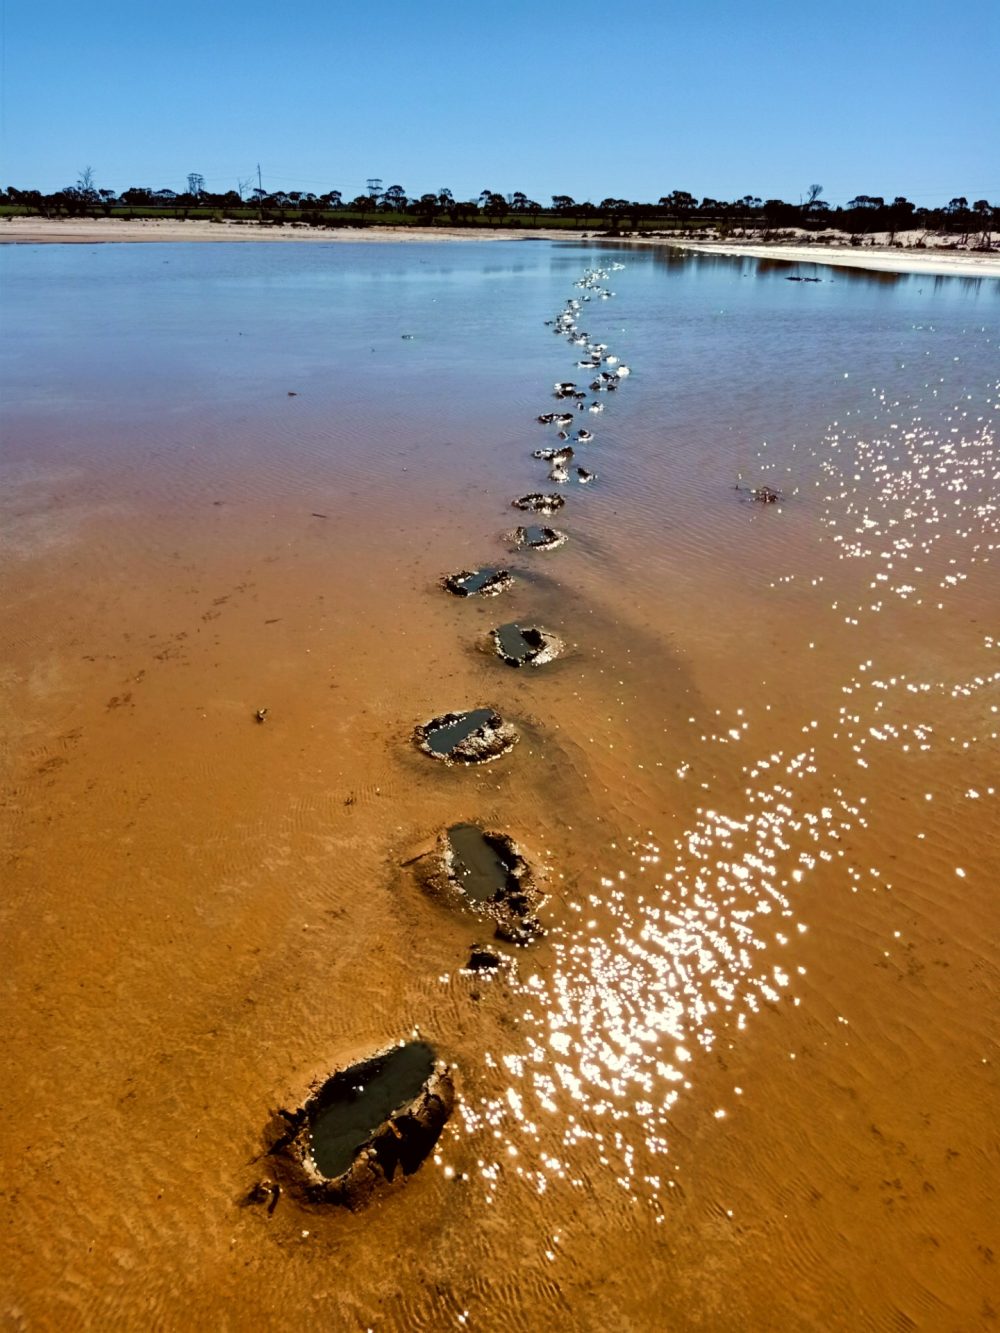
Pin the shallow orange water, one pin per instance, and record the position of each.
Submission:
(749, 1077)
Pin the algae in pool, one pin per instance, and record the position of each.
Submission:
(442, 740)
(477, 866)
(485, 581)
(520, 645)
(352, 1104)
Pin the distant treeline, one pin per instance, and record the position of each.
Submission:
(392, 206)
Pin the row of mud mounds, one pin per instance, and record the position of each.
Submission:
(372, 1123)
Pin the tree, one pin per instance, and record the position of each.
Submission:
(563, 204)
(983, 213)
(85, 183)
(496, 207)
(900, 214)
(363, 204)
(426, 208)
(862, 211)
(394, 200)
(615, 209)
(813, 194)
(777, 213)
(196, 184)
(679, 203)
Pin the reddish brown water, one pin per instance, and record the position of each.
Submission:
(749, 1078)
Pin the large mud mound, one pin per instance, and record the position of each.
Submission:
(539, 504)
(485, 872)
(537, 538)
(524, 645)
(478, 582)
(365, 1127)
(473, 737)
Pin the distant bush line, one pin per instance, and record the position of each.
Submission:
(676, 212)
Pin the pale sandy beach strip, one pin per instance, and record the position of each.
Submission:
(930, 262)
(97, 231)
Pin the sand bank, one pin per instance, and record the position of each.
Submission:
(884, 259)
(95, 231)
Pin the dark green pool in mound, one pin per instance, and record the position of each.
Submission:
(518, 644)
(442, 740)
(476, 863)
(351, 1105)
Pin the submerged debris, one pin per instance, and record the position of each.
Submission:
(484, 871)
(482, 582)
(561, 455)
(525, 645)
(537, 538)
(584, 476)
(763, 495)
(473, 737)
(364, 1127)
(260, 715)
(484, 959)
(538, 503)
(263, 1192)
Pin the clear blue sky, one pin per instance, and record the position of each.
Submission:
(629, 99)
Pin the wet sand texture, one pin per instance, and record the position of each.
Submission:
(752, 1060)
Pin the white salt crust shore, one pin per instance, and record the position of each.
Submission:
(97, 231)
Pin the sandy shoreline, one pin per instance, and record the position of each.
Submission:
(96, 231)
(875, 257)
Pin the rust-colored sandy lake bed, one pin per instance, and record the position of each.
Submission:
(746, 1074)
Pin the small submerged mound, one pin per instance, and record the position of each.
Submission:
(473, 737)
(364, 1127)
(478, 582)
(525, 645)
(762, 495)
(537, 538)
(539, 504)
(485, 872)
(484, 959)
